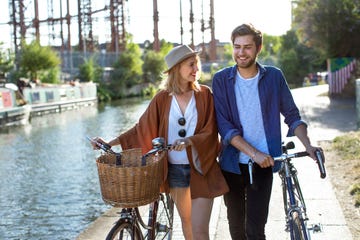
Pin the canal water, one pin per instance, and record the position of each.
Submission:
(49, 186)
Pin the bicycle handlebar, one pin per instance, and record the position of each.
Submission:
(157, 143)
(103, 146)
(320, 159)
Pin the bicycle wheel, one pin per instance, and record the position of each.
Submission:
(298, 230)
(163, 217)
(124, 230)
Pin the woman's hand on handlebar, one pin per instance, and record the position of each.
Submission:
(99, 140)
(181, 144)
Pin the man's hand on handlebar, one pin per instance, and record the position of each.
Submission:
(263, 160)
(311, 150)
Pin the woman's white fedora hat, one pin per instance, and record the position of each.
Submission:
(178, 54)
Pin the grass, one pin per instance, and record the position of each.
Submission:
(348, 148)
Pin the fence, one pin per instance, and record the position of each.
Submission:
(339, 72)
(72, 60)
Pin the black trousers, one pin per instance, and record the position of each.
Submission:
(248, 205)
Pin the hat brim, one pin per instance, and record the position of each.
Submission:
(182, 59)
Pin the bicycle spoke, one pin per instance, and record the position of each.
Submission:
(164, 217)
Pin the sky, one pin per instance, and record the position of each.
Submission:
(272, 17)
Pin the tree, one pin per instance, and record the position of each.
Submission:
(154, 63)
(270, 49)
(297, 60)
(331, 26)
(153, 67)
(127, 70)
(6, 60)
(34, 58)
(90, 71)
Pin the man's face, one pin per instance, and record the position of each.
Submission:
(244, 51)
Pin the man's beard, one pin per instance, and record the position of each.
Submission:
(248, 64)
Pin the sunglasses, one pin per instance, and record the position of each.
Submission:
(182, 122)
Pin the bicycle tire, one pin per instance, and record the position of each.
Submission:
(124, 230)
(164, 217)
(298, 230)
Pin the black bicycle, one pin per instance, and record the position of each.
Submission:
(294, 203)
(131, 224)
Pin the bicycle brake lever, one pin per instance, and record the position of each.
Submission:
(250, 167)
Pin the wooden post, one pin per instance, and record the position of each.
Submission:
(358, 102)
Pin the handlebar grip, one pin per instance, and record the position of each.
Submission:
(320, 161)
(301, 154)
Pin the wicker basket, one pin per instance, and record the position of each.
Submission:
(130, 184)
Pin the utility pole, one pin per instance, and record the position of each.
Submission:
(192, 45)
(156, 45)
(36, 21)
(212, 29)
(181, 24)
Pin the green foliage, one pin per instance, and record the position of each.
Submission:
(90, 71)
(127, 70)
(355, 191)
(34, 58)
(270, 48)
(331, 26)
(348, 145)
(228, 49)
(6, 60)
(165, 47)
(103, 94)
(51, 75)
(153, 67)
(297, 60)
(150, 91)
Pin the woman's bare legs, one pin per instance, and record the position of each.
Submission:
(182, 200)
(201, 213)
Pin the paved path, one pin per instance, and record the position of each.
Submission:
(327, 119)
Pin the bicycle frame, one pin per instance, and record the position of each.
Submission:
(294, 203)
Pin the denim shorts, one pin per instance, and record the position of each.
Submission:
(179, 175)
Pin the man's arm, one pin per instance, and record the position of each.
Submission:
(262, 159)
(301, 132)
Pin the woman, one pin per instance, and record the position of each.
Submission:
(183, 113)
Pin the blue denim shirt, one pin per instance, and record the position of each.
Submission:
(275, 99)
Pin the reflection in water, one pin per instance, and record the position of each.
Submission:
(49, 182)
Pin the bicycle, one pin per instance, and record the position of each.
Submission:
(294, 203)
(131, 224)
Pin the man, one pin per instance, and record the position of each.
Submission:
(249, 99)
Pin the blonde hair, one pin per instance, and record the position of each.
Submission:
(172, 81)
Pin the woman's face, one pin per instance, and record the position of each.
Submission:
(188, 70)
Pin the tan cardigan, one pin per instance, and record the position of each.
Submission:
(154, 123)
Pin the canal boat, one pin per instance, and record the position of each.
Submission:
(13, 108)
(52, 98)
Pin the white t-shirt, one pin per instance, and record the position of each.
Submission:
(248, 103)
(190, 115)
